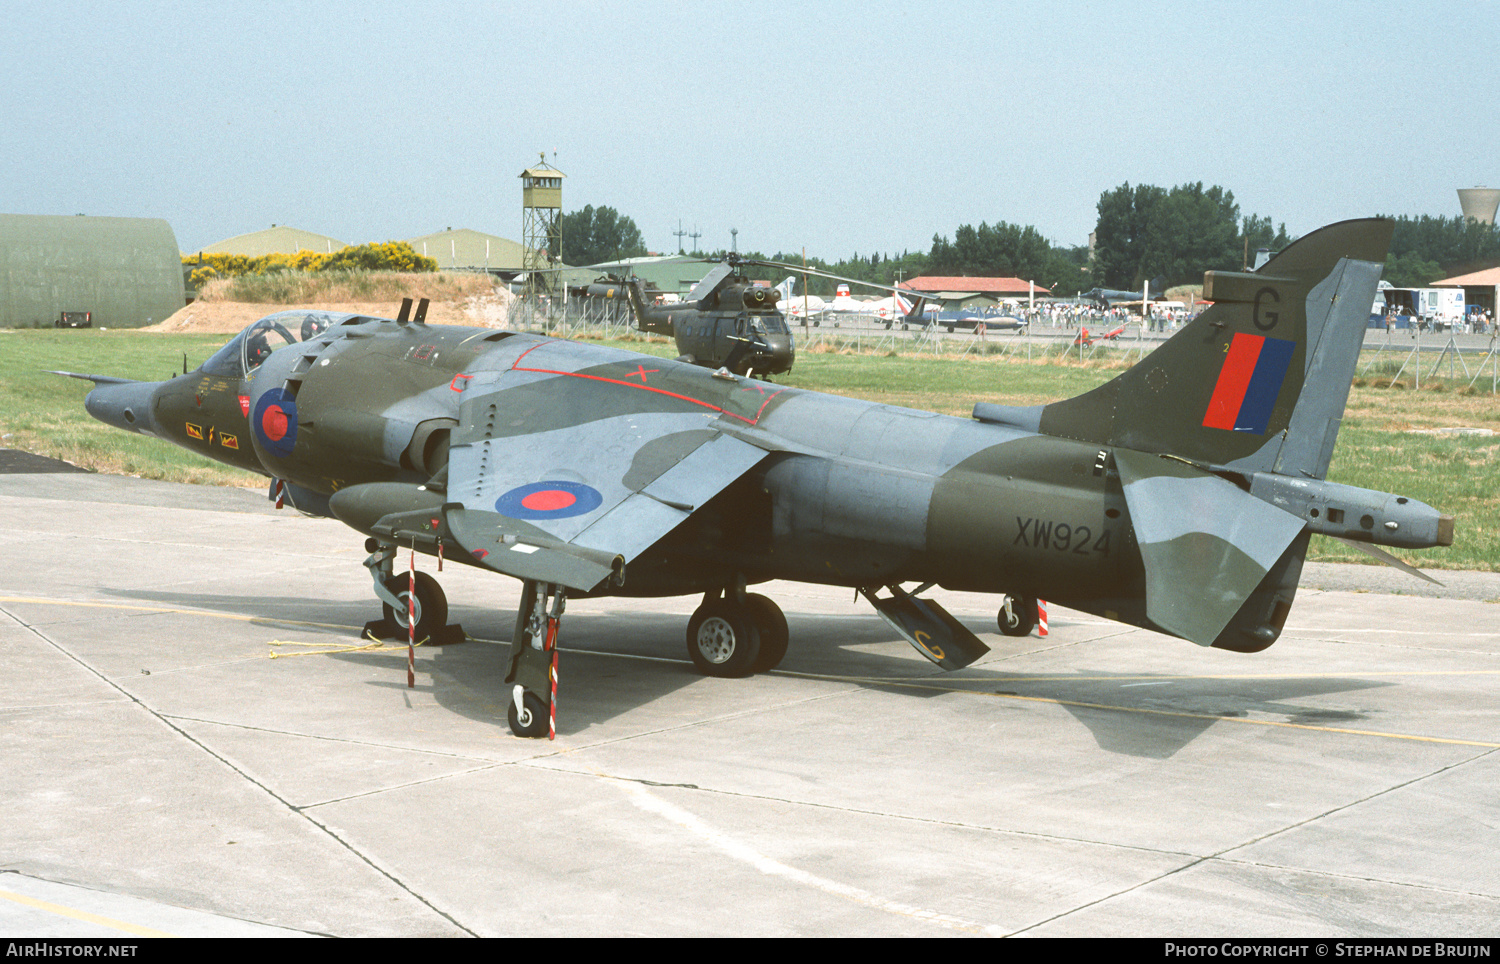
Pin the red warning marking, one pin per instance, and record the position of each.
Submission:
(516, 367)
(460, 382)
(273, 423)
(245, 405)
(642, 371)
(549, 501)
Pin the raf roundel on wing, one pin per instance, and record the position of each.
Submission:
(548, 500)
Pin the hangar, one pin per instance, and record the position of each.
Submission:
(277, 239)
(468, 250)
(125, 271)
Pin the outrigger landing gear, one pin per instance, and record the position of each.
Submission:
(395, 593)
(533, 660)
(1017, 617)
(734, 634)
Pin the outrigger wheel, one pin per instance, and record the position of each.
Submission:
(530, 721)
(431, 605)
(1017, 616)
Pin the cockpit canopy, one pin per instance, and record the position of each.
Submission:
(249, 348)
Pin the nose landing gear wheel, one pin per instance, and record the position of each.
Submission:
(722, 640)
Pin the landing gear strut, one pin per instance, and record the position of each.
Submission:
(533, 660)
(1017, 617)
(394, 590)
(736, 634)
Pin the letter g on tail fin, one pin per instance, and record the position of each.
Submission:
(1258, 381)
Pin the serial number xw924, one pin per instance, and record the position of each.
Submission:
(1047, 534)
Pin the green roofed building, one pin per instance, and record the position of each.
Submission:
(277, 239)
(465, 249)
(126, 272)
(676, 273)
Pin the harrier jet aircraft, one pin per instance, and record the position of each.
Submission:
(1179, 497)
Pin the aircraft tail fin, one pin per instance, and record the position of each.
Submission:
(1259, 380)
(646, 319)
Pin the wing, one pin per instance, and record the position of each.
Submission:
(567, 476)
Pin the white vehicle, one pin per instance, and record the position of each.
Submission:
(1442, 308)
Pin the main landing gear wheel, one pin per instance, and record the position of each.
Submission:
(531, 721)
(431, 604)
(771, 623)
(1018, 616)
(722, 640)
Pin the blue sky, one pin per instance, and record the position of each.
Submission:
(841, 127)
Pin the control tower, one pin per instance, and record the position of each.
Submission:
(541, 231)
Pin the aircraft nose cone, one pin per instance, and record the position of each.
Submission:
(778, 348)
(125, 405)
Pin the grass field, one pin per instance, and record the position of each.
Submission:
(1377, 449)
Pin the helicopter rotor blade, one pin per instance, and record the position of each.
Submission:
(801, 269)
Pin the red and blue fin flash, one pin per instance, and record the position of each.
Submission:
(1249, 382)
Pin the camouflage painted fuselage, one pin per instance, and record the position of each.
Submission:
(1179, 496)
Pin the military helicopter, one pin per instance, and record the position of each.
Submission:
(726, 320)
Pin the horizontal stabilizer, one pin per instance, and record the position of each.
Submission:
(96, 379)
(1206, 544)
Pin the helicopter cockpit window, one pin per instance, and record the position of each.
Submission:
(255, 344)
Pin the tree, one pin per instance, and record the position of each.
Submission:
(1411, 271)
(1005, 251)
(593, 235)
(1449, 245)
(1148, 232)
(1259, 233)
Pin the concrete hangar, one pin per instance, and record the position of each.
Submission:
(124, 272)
